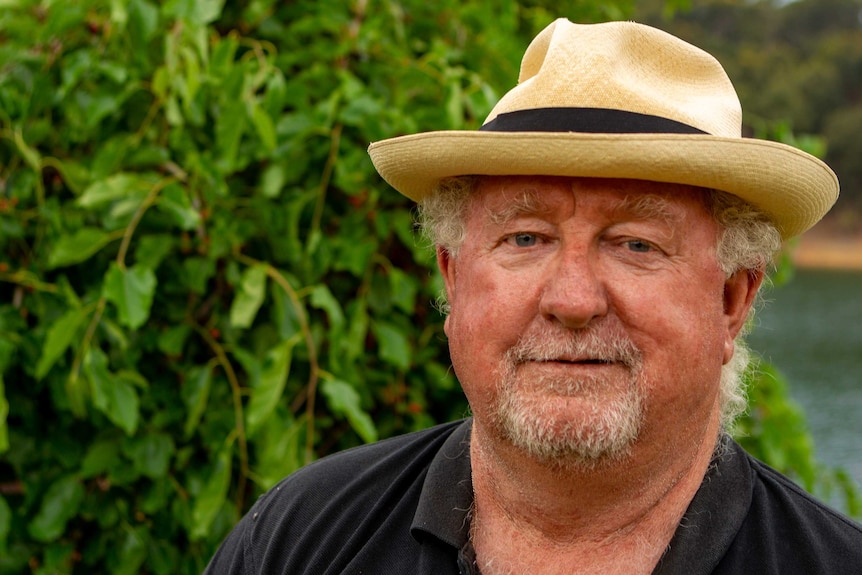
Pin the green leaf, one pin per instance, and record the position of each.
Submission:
(322, 298)
(174, 200)
(267, 392)
(151, 454)
(129, 555)
(264, 126)
(74, 174)
(59, 337)
(172, 340)
(404, 290)
(343, 399)
(211, 498)
(30, 155)
(115, 187)
(5, 524)
(272, 181)
(229, 128)
(59, 504)
(195, 394)
(393, 344)
(131, 290)
(279, 446)
(152, 249)
(78, 247)
(102, 456)
(195, 11)
(4, 425)
(249, 297)
(143, 21)
(197, 273)
(112, 395)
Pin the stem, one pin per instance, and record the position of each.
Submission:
(136, 218)
(325, 179)
(75, 372)
(314, 365)
(236, 391)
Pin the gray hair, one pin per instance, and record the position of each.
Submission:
(748, 241)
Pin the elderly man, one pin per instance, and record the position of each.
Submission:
(602, 238)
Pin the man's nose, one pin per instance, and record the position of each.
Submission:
(574, 293)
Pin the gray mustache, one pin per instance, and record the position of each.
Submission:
(598, 343)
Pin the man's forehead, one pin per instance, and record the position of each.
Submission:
(505, 197)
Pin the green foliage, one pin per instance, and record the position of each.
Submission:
(775, 430)
(205, 285)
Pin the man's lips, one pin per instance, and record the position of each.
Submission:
(584, 361)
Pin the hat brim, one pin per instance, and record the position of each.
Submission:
(794, 188)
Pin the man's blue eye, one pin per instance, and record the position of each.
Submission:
(639, 246)
(525, 240)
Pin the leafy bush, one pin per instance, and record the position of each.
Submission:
(205, 284)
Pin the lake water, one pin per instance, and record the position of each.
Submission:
(811, 329)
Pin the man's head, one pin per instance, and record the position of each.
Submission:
(585, 311)
(598, 279)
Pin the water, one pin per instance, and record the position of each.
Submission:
(811, 329)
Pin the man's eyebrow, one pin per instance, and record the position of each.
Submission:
(648, 207)
(524, 202)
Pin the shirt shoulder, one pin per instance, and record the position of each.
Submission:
(347, 512)
(789, 531)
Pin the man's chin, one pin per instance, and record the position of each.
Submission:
(570, 438)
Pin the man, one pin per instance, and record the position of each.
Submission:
(602, 239)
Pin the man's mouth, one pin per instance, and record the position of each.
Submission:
(585, 361)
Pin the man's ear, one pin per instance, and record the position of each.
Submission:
(446, 264)
(740, 289)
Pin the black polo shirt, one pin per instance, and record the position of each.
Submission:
(402, 506)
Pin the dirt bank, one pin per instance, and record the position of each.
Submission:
(825, 248)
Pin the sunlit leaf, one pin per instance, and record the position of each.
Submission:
(264, 127)
(280, 444)
(394, 345)
(322, 298)
(268, 390)
(131, 290)
(249, 296)
(195, 393)
(343, 399)
(77, 247)
(112, 395)
(112, 188)
(209, 501)
(60, 335)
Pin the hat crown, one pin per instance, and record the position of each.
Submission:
(625, 66)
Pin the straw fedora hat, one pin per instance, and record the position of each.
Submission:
(619, 100)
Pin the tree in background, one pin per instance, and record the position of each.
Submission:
(204, 283)
(797, 63)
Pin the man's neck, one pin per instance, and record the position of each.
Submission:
(534, 517)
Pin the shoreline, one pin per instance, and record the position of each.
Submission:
(828, 252)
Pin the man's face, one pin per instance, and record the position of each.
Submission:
(590, 315)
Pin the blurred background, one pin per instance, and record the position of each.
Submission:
(204, 285)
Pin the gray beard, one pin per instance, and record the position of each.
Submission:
(535, 423)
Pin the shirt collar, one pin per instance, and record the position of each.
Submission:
(704, 534)
(447, 493)
(714, 516)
